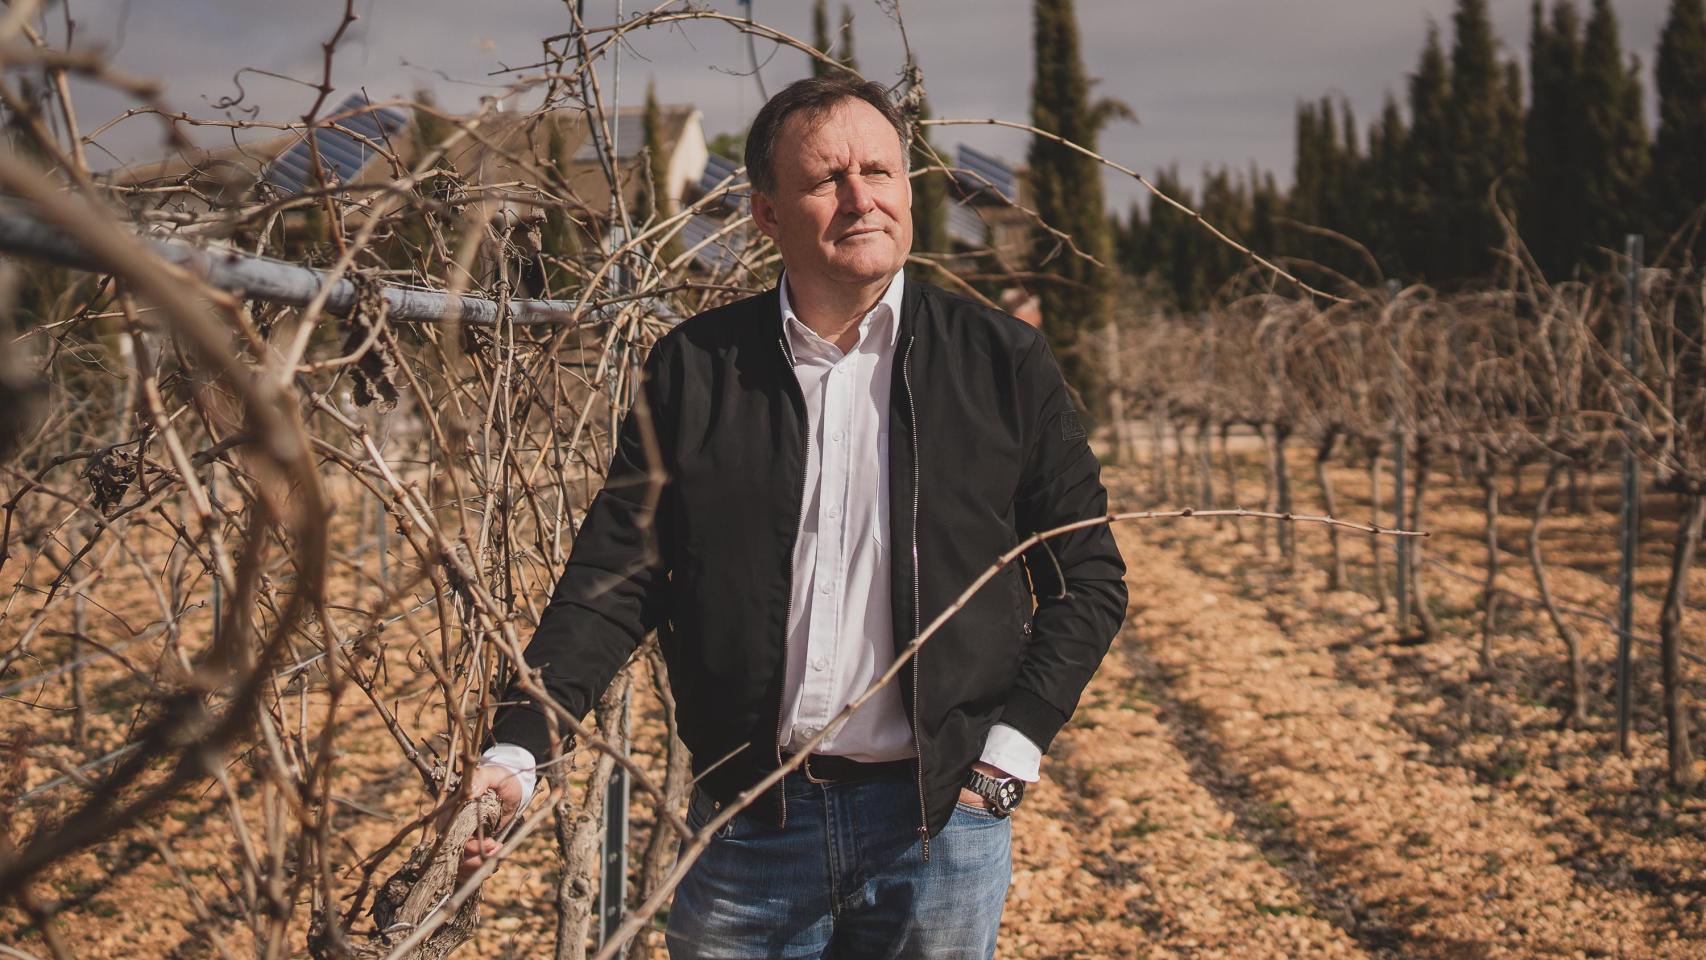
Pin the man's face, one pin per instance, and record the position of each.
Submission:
(841, 208)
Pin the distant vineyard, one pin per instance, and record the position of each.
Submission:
(1569, 379)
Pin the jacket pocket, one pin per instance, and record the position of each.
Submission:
(1021, 592)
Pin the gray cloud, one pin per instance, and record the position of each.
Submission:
(1213, 81)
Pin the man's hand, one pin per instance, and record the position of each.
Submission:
(971, 799)
(489, 776)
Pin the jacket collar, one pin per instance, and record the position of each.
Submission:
(892, 298)
(911, 302)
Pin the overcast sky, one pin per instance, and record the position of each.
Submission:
(1212, 81)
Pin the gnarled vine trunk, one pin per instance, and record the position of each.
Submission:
(1282, 495)
(581, 832)
(1377, 555)
(1488, 477)
(1679, 751)
(1424, 614)
(1577, 714)
(1323, 454)
(1231, 479)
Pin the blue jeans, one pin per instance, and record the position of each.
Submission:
(844, 879)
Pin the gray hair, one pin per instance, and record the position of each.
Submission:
(813, 96)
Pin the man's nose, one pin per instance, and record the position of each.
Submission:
(856, 195)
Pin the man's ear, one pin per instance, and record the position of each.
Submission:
(763, 214)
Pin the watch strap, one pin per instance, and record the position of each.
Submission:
(1003, 794)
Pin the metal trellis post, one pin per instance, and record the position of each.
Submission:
(1399, 456)
(1630, 519)
(613, 882)
(213, 503)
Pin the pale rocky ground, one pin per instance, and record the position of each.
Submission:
(1262, 768)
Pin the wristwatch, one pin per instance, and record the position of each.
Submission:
(1003, 795)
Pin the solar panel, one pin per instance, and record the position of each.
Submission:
(986, 167)
(965, 226)
(717, 169)
(342, 154)
(719, 254)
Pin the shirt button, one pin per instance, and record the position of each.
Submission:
(823, 587)
(837, 437)
(820, 663)
(834, 511)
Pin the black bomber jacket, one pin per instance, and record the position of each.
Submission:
(985, 448)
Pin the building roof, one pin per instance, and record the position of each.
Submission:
(506, 148)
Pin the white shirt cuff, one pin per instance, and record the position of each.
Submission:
(1013, 752)
(517, 760)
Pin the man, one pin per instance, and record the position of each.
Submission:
(844, 454)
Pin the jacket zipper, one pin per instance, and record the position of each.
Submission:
(788, 612)
(917, 620)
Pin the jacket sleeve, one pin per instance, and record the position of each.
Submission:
(606, 600)
(1078, 578)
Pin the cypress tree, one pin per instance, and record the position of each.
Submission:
(1426, 175)
(1387, 199)
(1332, 187)
(1175, 243)
(1551, 221)
(1219, 206)
(1513, 113)
(1352, 200)
(1614, 156)
(820, 37)
(1226, 204)
(1317, 178)
(1332, 162)
(1347, 200)
(847, 59)
(1266, 206)
(428, 129)
(653, 199)
(929, 194)
(1308, 167)
(1067, 188)
(1131, 241)
(1677, 191)
(1478, 150)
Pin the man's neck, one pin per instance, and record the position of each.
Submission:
(833, 311)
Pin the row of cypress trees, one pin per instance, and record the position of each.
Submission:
(1562, 147)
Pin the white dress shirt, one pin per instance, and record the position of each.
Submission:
(840, 633)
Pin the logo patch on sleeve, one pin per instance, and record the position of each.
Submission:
(1071, 428)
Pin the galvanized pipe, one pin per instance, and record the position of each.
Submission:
(1629, 519)
(24, 234)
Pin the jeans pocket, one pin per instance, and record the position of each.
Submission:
(701, 809)
(975, 810)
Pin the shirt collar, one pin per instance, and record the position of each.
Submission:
(798, 332)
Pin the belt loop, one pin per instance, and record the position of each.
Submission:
(806, 768)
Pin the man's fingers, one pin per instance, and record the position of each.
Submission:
(474, 854)
(500, 780)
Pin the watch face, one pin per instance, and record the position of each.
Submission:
(1007, 795)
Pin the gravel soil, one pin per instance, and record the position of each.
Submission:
(1401, 799)
(1262, 768)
